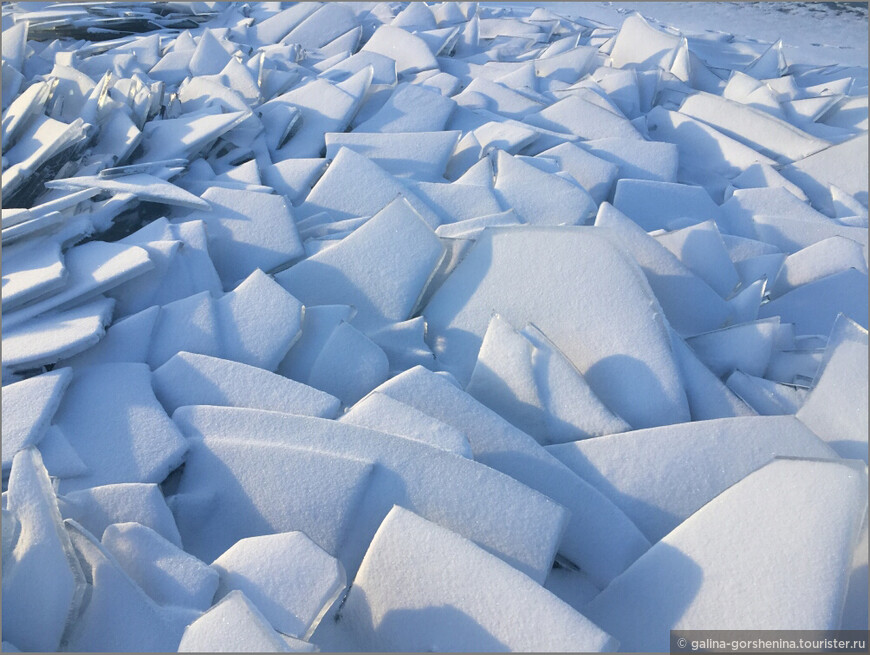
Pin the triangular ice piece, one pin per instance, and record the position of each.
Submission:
(771, 552)
(29, 406)
(232, 625)
(164, 571)
(598, 536)
(42, 580)
(432, 578)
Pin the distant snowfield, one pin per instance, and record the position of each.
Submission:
(811, 32)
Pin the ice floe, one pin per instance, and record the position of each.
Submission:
(431, 326)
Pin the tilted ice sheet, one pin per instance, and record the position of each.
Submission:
(56, 335)
(43, 584)
(370, 270)
(525, 532)
(598, 537)
(233, 624)
(571, 297)
(379, 412)
(191, 379)
(96, 508)
(289, 578)
(836, 408)
(794, 524)
(119, 615)
(126, 439)
(661, 476)
(29, 406)
(164, 571)
(420, 585)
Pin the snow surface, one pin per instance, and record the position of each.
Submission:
(451, 326)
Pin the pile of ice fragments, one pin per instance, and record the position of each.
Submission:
(385, 326)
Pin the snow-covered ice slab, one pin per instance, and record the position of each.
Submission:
(355, 495)
(574, 116)
(43, 584)
(380, 269)
(836, 408)
(538, 197)
(814, 307)
(31, 270)
(164, 571)
(56, 335)
(96, 508)
(119, 616)
(689, 303)
(433, 579)
(191, 379)
(258, 321)
(767, 397)
(817, 261)
(58, 455)
(598, 536)
(708, 397)
(759, 130)
(144, 186)
(130, 439)
(91, 269)
(410, 108)
(187, 135)
(655, 205)
(418, 155)
(29, 407)
(458, 202)
(318, 323)
(570, 297)
(287, 576)
(377, 411)
(661, 476)
(349, 365)
(843, 165)
(701, 248)
(794, 524)
(233, 625)
(746, 346)
(526, 380)
(323, 107)
(246, 231)
(214, 511)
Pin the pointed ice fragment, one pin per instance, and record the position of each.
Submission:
(794, 524)
(429, 576)
(29, 406)
(42, 580)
